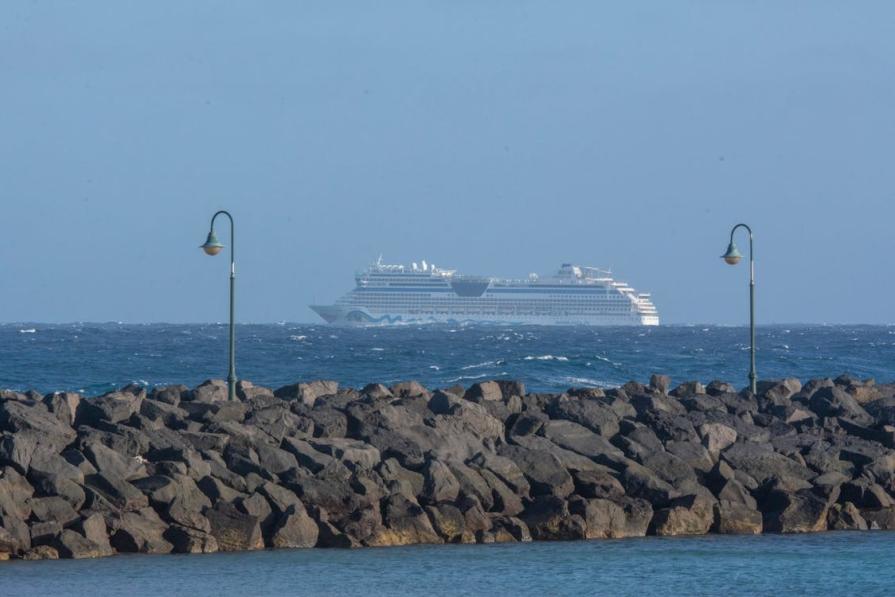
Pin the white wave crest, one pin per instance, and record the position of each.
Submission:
(546, 357)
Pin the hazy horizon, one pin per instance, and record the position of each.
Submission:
(497, 139)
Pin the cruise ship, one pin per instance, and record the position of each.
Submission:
(423, 293)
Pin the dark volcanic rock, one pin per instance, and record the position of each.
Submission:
(315, 465)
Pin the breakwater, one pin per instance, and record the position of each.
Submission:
(312, 464)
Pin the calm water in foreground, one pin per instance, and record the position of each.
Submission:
(93, 358)
(828, 563)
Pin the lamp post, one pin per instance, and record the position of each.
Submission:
(213, 246)
(733, 256)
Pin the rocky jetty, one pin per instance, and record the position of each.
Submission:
(315, 465)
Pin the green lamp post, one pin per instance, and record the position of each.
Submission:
(733, 256)
(213, 246)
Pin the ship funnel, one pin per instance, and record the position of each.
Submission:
(425, 266)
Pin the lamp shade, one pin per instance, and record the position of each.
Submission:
(733, 255)
(212, 245)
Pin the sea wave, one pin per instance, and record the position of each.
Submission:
(546, 357)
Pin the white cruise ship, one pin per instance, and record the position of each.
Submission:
(423, 293)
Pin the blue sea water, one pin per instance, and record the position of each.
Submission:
(93, 358)
(840, 563)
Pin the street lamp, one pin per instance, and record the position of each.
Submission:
(733, 256)
(213, 246)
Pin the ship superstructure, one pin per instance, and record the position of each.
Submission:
(424, 293)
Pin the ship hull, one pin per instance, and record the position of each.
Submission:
(360, 317)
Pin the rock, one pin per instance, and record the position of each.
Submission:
(605, 519)
(736, 518)
(34, 417)
(660, 383)
(107, 461)
(483, 391)
(295, 529)
(110, 493)
(209, 391)
(717, 437)
(141, 531)
(641, 482)
(93, 527)
(64, 405)
(169, 394)
(113, 407)
(580, 439)
(440, 483)
(798, 512)
(543, 471)
(41, 552)
(307, 393)
(44, 533)
(506, 527)
(53, 509)
(883, 518)
(376, 391)
(688, 515)
(845, 517)
(688, 388)
(8, 544)
(762, 463)
(589, 413)
(549, 519)
(448, 521)
(234, 530)
(351, 452)
(190, 540)
(72, 545)
(405, 523)
(834, 402)
(409, 389)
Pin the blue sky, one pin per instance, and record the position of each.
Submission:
(498, 137)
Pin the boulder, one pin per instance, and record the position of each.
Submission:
(835, 402)
(295, 529)
(53, 509)
(449, 522)
(802, 511)
(605, 519)
(72, 545)
(307, 393)
(113, 407)
(190, 540)
(41, 552)
(404, 523)
(736, 518)
(687, 515)
(29, 416)
(845, 517)
(543, 470)
(234, 530)
(484, 391)
(549, 519)
(717, 437)
(209, 391)
(141, 531)
(580, 439)
(440, 483)
(591, 414)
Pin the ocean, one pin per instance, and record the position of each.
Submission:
(836, 563)
(94, 358)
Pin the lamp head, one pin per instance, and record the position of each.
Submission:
(212, 245)
(733, 255)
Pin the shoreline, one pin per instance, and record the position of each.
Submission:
(313, 464)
